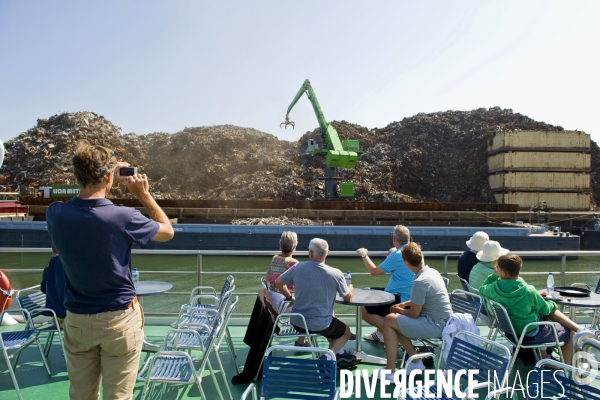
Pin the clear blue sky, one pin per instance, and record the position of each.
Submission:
(152, 66)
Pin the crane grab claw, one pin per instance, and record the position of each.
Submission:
(287, 122)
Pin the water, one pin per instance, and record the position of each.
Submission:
(182, 274)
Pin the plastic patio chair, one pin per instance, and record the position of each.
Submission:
(178, 367)
(505, 327)
(283, 328)
(466, 303)
(16, 342)
(205, 316)
(228, 286)
(220, 304)
(574, 385)
(469, 351)
(486, 315)
(292, 377)
(464, 284)
(34, 301)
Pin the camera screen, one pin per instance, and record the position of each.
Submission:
(128, 171)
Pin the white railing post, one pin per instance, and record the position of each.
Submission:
(563, 270)
(446, 266)
(199, 268)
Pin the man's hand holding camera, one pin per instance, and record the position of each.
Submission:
(136, 183)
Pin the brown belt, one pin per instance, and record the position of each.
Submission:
(133, 302)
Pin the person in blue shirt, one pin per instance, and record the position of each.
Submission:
(103, 333)
(399, 285)
(53, 285)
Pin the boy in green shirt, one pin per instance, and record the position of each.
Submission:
(524, 303)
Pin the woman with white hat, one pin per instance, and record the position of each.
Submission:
(488, 258)
(468, 259)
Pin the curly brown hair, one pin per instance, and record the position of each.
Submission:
(91, 164)
(412, 255)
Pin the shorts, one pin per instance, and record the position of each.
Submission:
(546, 335)
(382, 310)
(420, 327)
(335, 330)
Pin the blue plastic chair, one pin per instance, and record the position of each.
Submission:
(34, 301)
(296, 378)
(467, 352)
(486, 315)
(466, 303)
(16, 342)
(505, 327)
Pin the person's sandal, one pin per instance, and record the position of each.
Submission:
(298, 344)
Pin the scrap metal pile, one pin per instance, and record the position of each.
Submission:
(279, 221)
(427, 157)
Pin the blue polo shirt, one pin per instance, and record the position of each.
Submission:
(402, 278)
(94, 240)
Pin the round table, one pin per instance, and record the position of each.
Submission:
(366, 297)
(593, 301)
(150, 288)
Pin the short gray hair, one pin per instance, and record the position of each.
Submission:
(401, 233)
(288, 241)
(319, 247)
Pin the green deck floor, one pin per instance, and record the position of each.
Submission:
(36, 384)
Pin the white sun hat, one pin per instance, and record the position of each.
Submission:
(491, 251)
(477, 240)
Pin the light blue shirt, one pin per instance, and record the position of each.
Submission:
(402, 278)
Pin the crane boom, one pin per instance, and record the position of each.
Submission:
(340, 154)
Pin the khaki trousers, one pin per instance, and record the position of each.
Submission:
(104, 345)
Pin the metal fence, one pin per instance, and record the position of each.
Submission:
(168, 303)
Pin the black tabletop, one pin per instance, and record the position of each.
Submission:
(368, 297)
(592, 301)
(148, 288)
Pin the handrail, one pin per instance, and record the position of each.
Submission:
(563, 254)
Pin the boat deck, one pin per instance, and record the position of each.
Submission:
(36, 384)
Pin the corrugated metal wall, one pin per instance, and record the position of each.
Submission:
(539, 161)
(546, 141)
(540, 181)
(560, 201)
(529, 167)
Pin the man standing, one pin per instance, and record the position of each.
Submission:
(468, 259)
(316, 285)
(399, 284)
(103, 327)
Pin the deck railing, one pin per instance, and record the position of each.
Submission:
(199, 274)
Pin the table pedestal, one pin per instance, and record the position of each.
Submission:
(365, 358)
(149, 288)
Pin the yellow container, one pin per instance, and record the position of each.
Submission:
(558, 201)
(539, 181)
(539, 161)
(540, 141)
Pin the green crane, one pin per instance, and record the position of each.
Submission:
(339, 154)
